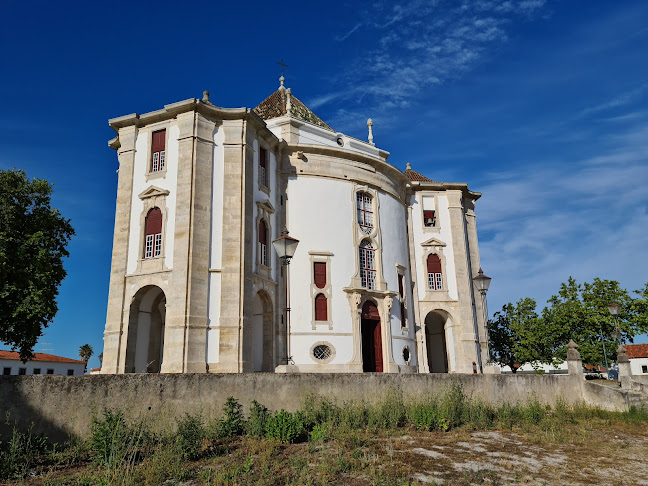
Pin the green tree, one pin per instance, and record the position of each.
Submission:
(513, 334)
(33, 240)
(85, 352)
(580, 312)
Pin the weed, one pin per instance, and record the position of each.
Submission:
(190, 435)
(320, 433)
(256, 423)
(19, 455)
(285, 426)
(108, 437)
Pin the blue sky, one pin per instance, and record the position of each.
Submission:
(540, 105)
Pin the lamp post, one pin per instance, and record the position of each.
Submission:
(285, 247)
(614, 310)
(482, 282)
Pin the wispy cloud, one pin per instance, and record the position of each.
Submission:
(583, 218)
(348, 34)
(620, 100)
(420, 44)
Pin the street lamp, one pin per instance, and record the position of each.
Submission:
(285, 247)
(482, 282)
(615, 309)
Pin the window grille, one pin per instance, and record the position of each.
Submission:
(156, 161)
(157, 250)
(367, 265)
(321, 352)
(365, 211)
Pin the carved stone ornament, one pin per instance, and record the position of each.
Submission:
(388, 302)
(572, 351)
(622, 357)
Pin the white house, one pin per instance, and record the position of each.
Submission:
(382, 276)
(42, 364)
(638, 354)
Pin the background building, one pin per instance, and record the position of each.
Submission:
(638, 354)
(42, 364)
(381, 279)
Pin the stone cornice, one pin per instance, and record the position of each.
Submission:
(416, 186)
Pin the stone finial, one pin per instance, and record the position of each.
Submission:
(622, 357)
(205, 96)
(369, 125)
(572, 351)
(281, 82)
(288, 101)
(408, 166)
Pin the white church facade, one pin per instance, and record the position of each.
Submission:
(381, 279)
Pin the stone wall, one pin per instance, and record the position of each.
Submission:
(64, 406)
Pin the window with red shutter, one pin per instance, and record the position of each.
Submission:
(319, 270)
(158, 151)
(435, 279)
(321, 312)
(263, 243)
(153, 233)
(263, 172)
(429, 218)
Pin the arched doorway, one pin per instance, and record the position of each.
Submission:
(145, 345)
(260, 341)
(437, 352)
(372, 355)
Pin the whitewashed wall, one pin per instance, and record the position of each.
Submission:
(59, 368)
(320, 214)
(444, 234)
(216, 248)
(168, 182)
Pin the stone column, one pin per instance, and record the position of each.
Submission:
(115, 333)
(574, 362)
(625, 372)
(185, 342)
(466, 347)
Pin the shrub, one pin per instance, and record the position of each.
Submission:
(231, 424)
(423, 416)
(533, 412)
(256, 424)
(285, 426)
(320, 433)
(452, 406)
(108, 437)
(190, 435)
(389, 413)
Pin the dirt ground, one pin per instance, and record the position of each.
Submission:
(607, 454)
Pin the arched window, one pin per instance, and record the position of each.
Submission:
(263, 174)
(263, 243)
(435, 280)
(321, 313)
(367, 265)
(365, 211)
(153, 232)
(158, 150)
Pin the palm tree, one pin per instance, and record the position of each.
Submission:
(85, 352)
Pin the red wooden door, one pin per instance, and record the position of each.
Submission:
(378, 347)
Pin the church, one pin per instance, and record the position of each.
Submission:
(264, 240)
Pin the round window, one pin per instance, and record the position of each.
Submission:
(340, 141)
(321, 352)
(406, 354)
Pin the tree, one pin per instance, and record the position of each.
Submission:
(511, 333)
(85, 352)
(33, 240)
(580, 312)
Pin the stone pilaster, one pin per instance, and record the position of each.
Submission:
(185, 341)
(114, 360)
(466, 348)
(625, 371)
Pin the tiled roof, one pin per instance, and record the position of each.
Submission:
(636, 350)
(39, 357)
(95, 369)
(275, 105)
(415, 176)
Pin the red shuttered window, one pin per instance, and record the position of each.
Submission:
(435, 279)
(263, 171)
(158, 150)
(153, 234)
(321, 312)
(429, 218)
(319, 270)
(263, 243)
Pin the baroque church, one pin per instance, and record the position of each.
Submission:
(210, 198)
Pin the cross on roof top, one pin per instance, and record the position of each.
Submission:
(282, 66)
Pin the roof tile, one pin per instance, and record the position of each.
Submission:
(416, 176)
(275, 105)
(636, 350)
(38, 357)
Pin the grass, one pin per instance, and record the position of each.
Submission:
(324, 442)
